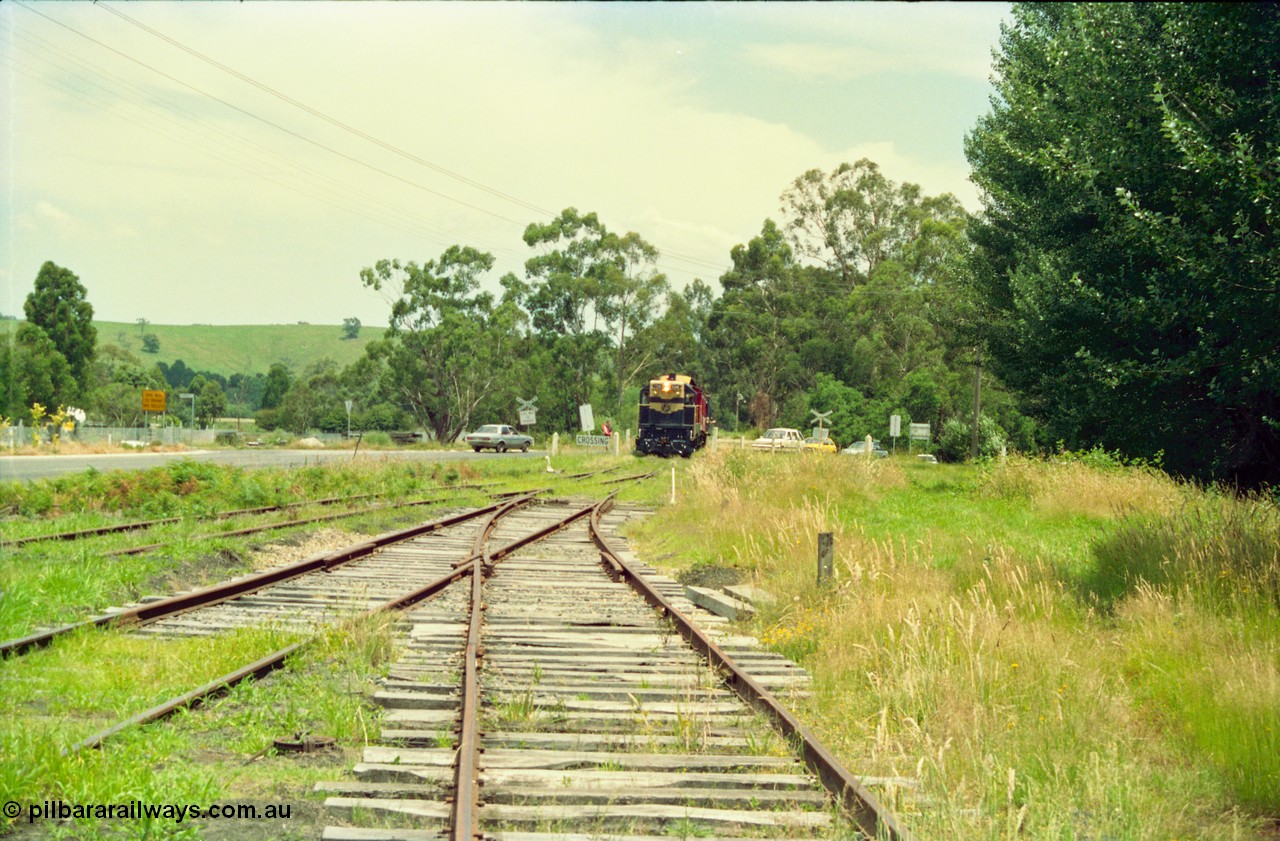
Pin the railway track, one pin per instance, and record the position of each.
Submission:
(544, 698)
(549, 687)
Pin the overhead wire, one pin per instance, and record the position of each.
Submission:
(674, 255)
(257, 117)
(270, 165)
(677, 256)
(323, 116)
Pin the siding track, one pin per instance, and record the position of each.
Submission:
(594, 718)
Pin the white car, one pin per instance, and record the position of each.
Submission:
(779, 438)
(499, 438)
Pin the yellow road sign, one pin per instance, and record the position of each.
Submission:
(153, 401)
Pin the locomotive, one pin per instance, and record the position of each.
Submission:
(673, 417)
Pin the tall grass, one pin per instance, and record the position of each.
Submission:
(963, 643)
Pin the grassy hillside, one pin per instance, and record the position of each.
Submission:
(231, 349)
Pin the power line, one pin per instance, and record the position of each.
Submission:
(323, 116)
(267, 122)
(265, 170)
(696, 261)
(677, 256)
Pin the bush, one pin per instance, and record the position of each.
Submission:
(953, 443)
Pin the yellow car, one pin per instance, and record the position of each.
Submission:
(825, 445)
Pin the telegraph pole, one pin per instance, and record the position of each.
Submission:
(977, 403)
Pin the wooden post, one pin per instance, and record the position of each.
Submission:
(826, 556)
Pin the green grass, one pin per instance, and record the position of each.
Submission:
(85, 682)
(1051, 648)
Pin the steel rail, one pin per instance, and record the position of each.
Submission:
(146, 524)
(861, 805)
(269, 663)
(193, 698)
(144, 614)
(479, 558)
(635, 478)
(138, 550)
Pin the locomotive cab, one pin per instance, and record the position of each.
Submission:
(673, 417)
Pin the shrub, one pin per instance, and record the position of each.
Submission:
(957, 434)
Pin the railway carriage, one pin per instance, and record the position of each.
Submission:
(673, 417)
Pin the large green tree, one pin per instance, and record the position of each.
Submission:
(566, 285)
(450, 349)
(1128, 257)
(32, 370)
(58, 305)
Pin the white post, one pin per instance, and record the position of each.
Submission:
(870, 454)
(673, 484)
(617, 443)
(555, 443)
(742, 442)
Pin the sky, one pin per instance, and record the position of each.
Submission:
(240, 163)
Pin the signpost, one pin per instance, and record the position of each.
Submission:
(192, 398)
(528, 411)
(592, 440)
(153, 401)
(917, 432)
(895, 429)
(820, 431)
(348, 419)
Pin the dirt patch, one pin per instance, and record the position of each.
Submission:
(710, 575)
(297, 547)
(209, 567)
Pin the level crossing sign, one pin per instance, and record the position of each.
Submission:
(528, 411)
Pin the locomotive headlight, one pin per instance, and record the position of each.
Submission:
(666, 386)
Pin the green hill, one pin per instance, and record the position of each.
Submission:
(232, 349)
(246, 349)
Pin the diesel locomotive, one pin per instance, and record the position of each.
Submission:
(673, 417)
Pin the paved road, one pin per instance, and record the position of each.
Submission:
(27, 468)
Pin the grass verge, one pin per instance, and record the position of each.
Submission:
(1052, 648)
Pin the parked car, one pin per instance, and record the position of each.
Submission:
(859, 448)
(498, 438)
(779, 438)
(928, 458)
(822, 445)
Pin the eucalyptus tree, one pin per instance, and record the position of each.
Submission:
(566, 283)
(850, 219)
(629, 291)
(759, 322)
(449, 346)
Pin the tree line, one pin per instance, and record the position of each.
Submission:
(1119, 288)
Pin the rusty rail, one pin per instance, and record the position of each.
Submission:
(174, 605)
(862, 806)
(146, 524)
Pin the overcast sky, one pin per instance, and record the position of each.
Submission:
(239, 163)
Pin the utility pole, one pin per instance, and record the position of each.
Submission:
(977, 403)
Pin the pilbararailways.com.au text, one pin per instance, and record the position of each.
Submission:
(136, 810)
